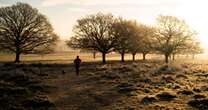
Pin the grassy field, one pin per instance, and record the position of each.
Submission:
(140, 85)
(49, 83)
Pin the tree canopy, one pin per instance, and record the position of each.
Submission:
(122, 31)
(24, 30)
(172, 35)
(94, 32)
(105, 33)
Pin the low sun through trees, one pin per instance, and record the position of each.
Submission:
(106, 33)
(23, 30)
(172, 36)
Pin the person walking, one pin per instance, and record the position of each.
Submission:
(77, 63)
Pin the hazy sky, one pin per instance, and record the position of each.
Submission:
(64, 13)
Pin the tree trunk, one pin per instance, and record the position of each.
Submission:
(122, 57)
(94, 55)
(17, 58)
(173, 57)
(133, 57)
(166, 58)
(103, 55)
(144, 56)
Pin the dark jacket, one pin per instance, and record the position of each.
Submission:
(77, 62)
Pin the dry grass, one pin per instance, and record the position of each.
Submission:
(116, 85)
(122, 86)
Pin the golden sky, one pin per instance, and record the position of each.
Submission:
(64, 13)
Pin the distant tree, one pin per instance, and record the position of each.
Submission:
(133, 47)
(194, 48)
(94, 32)
(134, 39)
(94, 54)
(44, 51)
(122, 32)
(140, 40)
(191, 48)
(171, 35)
(146, 34)
(24, 30)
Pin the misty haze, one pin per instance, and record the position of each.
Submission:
(103, 55)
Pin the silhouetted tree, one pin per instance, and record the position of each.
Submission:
(94, 53)
(24, 30)
(140, 39)
(122, 32)
(134, 39)
(146, 34)
(94, 32)
(171, 34)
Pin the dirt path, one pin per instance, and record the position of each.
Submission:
(68, 85)
(82, 92)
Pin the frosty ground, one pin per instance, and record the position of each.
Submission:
(140, 85)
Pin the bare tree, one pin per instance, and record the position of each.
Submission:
(194, 48)
(146, 34)
(134, 39)
(133, 47)
(94, 32)
(171, 34)
(24, 30)
(122, 32)
(140, 40)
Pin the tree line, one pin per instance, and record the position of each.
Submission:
(23, 30)
(106, 33)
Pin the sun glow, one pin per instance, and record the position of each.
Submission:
(64, 13)
(194, 12)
